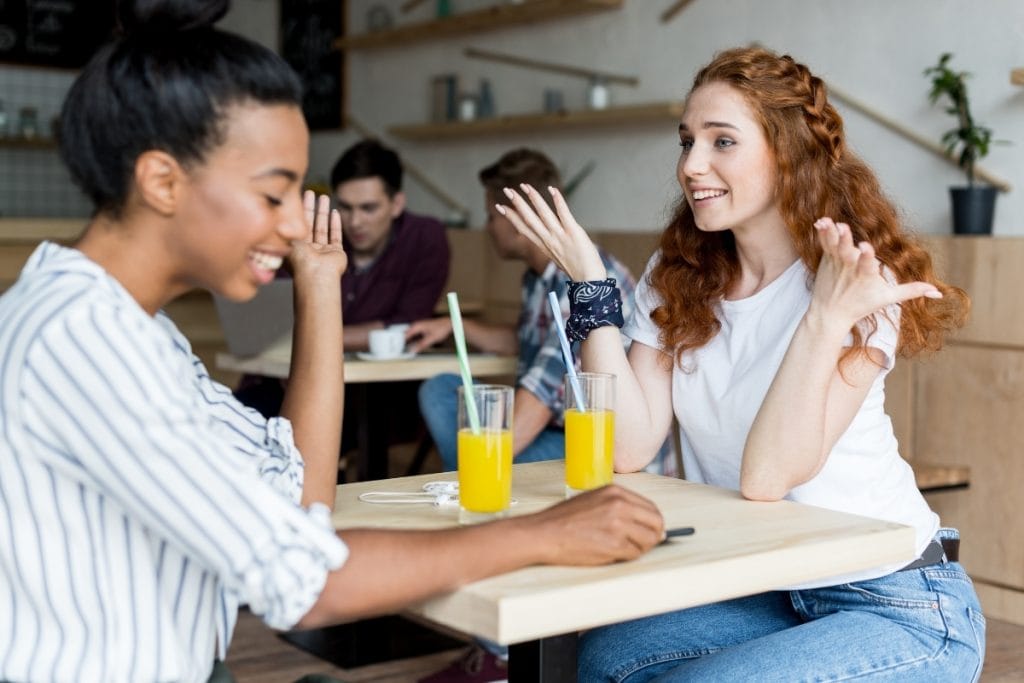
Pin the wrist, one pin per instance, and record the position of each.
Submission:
(594, 272)
(313, 277)
(593, 304)
(528, 533)
(824, 327)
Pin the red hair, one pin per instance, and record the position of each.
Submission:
(817, 175)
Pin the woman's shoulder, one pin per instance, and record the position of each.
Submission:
(61, 289)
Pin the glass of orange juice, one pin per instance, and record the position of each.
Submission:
(590, 433)
(485, 455)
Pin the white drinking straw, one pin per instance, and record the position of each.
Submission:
(460, 350)
(570, 365)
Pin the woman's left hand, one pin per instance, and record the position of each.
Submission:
(849, 284)
(320, 253)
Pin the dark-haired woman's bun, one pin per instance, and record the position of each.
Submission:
(168, 15)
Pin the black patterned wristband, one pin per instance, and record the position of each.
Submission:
(592, 304)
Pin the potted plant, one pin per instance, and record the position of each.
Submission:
(974, 205)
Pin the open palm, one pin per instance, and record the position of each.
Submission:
(555, 231)
(320, 251)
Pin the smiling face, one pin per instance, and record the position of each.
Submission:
(726, 169)
(367, 211)
(242, 207)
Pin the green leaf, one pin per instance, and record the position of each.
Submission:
(972, 140)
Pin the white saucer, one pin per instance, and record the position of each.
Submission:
(366, 355)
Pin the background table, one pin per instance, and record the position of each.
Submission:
(370, 404)
(740, 548)
(276, 362)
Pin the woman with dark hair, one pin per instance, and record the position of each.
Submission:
(782, 292)
(140, 503)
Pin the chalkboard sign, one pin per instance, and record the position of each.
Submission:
(308, 31)
(60, 33)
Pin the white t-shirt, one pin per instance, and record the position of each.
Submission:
(719, 390)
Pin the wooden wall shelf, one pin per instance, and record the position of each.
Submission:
(631, 114)
(34, 143)
(1017, 76)
(489, 18)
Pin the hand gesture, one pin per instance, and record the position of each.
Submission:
(597, 527)
(849, 284)
(423, 333)
(556, 232)
(319, 254)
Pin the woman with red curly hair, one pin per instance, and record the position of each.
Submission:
(782, 292)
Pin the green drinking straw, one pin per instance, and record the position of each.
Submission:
(460, 350)
(570, 365)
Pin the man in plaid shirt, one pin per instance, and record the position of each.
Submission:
(538, 420)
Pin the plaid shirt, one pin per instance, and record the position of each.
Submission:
(540, 369)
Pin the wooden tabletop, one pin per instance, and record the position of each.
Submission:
(740, 548)
(276, 361)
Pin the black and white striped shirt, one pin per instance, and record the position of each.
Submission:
(140, 504)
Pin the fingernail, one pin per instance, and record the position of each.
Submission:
(510, 193)
(553, 190)
(933, 294)
(500, 209)
(526, 188)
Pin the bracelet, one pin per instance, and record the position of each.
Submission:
(593, 304)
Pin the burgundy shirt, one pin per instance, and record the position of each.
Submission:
(405, 282)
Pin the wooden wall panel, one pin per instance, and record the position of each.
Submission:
(991, 270)
(467, 267)
(969, 407)
(632, 248)
(12, 259)
(502, 280)
(1000, 603)
(899, 404)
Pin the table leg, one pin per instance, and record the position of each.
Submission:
(372, 436)
(549, 659)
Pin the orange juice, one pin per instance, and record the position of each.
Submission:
(589, 437)
(485, 470)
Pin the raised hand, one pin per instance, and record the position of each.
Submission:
(849, 284)
(320, 252)
(554, 231)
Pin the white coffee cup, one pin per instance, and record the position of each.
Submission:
(387, 343)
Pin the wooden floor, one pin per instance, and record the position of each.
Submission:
(1004, 653)
(258, 656)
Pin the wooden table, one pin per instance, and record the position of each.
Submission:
(740, 548)
(372, 437)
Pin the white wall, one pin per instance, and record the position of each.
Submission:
(874, 50)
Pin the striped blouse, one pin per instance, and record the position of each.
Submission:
(140, 504)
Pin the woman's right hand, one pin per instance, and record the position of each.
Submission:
(554, 231)
(610, 524)
(319, 255)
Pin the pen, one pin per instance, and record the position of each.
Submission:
(678, 531)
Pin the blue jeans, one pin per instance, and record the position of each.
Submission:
(439, 407)
(917, 625)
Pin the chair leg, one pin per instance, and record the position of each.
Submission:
(423, 449)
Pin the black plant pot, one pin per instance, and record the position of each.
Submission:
(973, 208)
